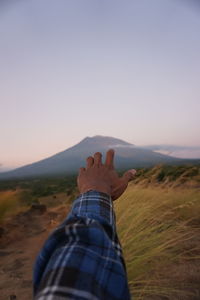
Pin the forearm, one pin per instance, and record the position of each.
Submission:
(82, 258)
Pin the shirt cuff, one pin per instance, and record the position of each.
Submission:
(94, 205)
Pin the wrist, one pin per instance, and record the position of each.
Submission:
(101, 189)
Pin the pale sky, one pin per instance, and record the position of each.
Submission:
(75, 68)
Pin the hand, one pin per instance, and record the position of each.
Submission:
(103, 177)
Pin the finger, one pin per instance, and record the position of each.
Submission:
(110, 158)
(90, 162)
(81, 171)
(129, 175)
(97, 158)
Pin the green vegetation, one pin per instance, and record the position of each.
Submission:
(188, 175)
(43, 186)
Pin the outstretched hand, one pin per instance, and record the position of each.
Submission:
(103, 177)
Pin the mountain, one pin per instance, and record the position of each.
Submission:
(69, 161)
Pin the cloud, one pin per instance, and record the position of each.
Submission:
(121, 146)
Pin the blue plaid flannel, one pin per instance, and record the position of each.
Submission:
(82, 259)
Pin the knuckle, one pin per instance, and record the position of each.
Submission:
(111, 152)
(98, 154)
(89, 157)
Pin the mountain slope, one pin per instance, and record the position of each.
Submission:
(68, 161)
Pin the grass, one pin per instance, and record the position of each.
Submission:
(13, 202)
(17, 195)
(158, 221)
(10, 203)
(159, 231)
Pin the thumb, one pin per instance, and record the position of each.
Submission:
(129, 175)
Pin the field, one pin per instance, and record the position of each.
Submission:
(158, 222)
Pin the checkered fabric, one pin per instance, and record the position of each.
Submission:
(82, 258)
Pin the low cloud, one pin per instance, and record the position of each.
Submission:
(121, 146)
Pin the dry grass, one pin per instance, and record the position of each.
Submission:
(159, 228)
(160, 233)
(10, 203)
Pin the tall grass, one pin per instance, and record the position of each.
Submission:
(9, 203)
(159, 231)
(13, 202)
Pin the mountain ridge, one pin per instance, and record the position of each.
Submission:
(71, 159)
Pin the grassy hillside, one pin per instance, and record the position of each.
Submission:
(18, 195)
(160, 233)
(187, 176)
(158, 221)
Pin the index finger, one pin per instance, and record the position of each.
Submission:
(110, 158)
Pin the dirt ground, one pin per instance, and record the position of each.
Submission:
(20, 241)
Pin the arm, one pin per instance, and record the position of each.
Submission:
(82, 258)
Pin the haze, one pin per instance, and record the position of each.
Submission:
(70, 69)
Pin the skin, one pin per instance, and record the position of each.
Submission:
(103, 177)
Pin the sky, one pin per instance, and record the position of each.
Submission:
(75, 68)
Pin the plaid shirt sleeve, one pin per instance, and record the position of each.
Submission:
(82, 258)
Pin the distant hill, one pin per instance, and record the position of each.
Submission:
(70, 160)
